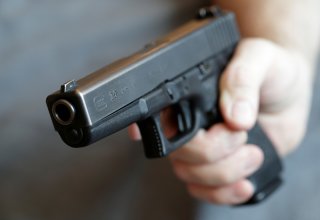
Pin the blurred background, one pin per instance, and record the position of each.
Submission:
(45, 43)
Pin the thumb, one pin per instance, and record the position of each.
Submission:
(241, 83)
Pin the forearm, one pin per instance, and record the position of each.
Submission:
(293, 24)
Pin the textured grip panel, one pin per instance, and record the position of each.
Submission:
(267, 178)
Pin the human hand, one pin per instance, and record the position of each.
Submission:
(263, 81)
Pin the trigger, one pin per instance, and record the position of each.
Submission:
(184, 116)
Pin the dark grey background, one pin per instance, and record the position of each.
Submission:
(45, 43)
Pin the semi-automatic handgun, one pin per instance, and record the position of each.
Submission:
(180, 71)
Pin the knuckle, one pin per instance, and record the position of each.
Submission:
(205, 149)
(206, 154)
(196, 177)
(179, 170)
(189, 174)
(240, 75)
(225, 177)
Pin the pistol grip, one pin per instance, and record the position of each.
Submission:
(267, 179)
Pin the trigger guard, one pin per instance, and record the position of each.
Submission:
(156, 144)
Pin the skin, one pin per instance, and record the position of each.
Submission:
(269, 79)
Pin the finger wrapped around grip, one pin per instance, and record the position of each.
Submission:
(232, 194)
(211, 145)
(238, 165)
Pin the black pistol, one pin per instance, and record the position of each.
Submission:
(180, 71)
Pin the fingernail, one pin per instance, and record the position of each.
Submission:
(242, 112)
